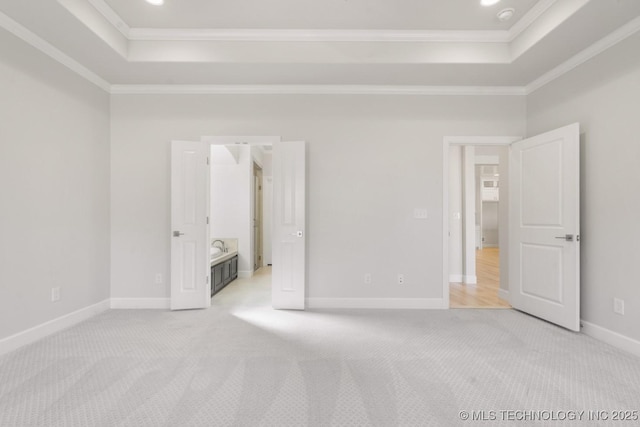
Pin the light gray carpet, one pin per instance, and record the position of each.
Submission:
(242, 364)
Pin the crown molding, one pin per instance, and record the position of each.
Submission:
(295, 35)
(595, 49)
(185, 34)
(111, 16)
(529, 18)
(182, 34)
(47, 48)
(316, 90)
(598, 47)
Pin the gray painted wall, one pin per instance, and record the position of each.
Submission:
(603, 95)
(372, 160)
(54, 189)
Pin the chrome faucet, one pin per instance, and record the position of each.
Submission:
(223, 247)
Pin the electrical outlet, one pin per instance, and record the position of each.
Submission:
(618, 306)
(367, 279)
(158, 279)
(420, 213)
(400, 279)
(55, 294)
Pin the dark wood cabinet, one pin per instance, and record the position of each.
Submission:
(216, 278)
(226, 271)
(223, 273)
(234, 267)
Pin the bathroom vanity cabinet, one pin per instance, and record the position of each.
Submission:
(223, 272)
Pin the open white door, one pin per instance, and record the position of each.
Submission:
(190, 267)
(288, 273)
(544, 226)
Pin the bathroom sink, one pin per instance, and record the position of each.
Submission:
(216, 253)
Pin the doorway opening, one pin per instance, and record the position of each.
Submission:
(484, 291)
(476, 222)
(237, 210)
(194, 227)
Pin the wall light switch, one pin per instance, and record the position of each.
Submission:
(367, 279)
(420, 213)
(55, 294)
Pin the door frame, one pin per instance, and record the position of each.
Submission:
(209, 141)
(448, 142)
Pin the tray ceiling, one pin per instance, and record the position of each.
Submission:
(417, 46)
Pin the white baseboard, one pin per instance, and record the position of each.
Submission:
(470, 280)
(459, 278)
(612, 338)
(45, 329)
(503, 294)
(144, 303)
(387, 303)
(245, 274)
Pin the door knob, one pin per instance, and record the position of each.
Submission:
(567, 237)
(177, 234)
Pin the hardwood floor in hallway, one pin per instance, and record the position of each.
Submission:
(485, 293)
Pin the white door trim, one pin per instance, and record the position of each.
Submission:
(240, 139)
(448, 142)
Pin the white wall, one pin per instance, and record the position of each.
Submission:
(478, 217)
(54, 189)
(267, 206)
(503, 216)
(231, 204)
(469, 213)
(603, 95)
(486, 155)
(490, 223)
(455, 215)
(372, 160)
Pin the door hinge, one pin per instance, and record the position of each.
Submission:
(207, 160)
(207, 220)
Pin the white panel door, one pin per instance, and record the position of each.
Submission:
(288, 237)
(544, 226)
(190, 266)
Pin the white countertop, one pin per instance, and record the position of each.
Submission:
(223, 257)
